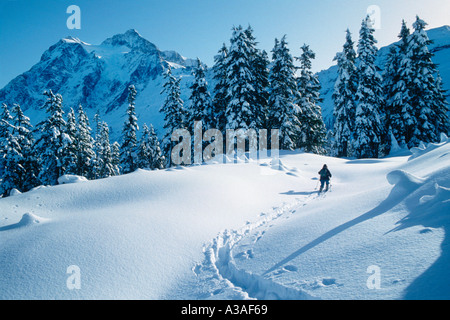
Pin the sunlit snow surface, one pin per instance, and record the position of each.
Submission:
(247, 230)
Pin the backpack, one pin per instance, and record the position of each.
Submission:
(324, 174)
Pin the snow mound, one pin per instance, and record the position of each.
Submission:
(14, 192)
(29, 219)
(423, 149)
(69, 178)
(404, 179)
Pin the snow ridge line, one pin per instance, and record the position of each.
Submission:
(220, 261)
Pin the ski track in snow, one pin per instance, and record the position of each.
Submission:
(219, 259)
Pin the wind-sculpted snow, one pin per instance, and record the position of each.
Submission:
(405, 180)
(427, 204)
(422, 148)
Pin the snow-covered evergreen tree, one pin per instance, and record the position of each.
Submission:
(424, 95)
(115, 157)
(69, 157)
(369, 111)
(12, 158)
(50, 145)
(259, 63)
(143, 151)
(13, 170)
(149, 151)
(23, 133)
(158, 160)
(128, 157)
(5, 130)
(106, 165)
(400, 117)
(442, 122)
(344, 97)
(95, 162)
(175, 116)
(221, 88)
(242, 94)
(283, 96)
(84, 145)
(201, 108)
(313, 133)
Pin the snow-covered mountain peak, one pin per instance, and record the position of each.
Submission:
(97, 76)
(70, 39)
(66, 49)
(133, 40)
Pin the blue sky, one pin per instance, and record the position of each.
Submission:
(197, 28)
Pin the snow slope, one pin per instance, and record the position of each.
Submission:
(237, 231)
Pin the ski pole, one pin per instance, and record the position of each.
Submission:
(317, 185)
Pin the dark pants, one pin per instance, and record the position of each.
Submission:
(322, 183)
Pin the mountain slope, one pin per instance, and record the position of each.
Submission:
(97, 77)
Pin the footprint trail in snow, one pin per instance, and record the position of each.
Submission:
(230, 281)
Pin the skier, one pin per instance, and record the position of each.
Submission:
(325, 176)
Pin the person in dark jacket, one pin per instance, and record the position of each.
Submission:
(325, 176)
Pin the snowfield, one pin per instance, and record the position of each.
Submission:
(247, 230)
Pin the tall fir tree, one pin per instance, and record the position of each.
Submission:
(221, 88)
(175, 116)
(424, 94)
(70, 155)
(200, 108)
(115, 157)
(5, 130)
(84, 145)
(241, 95)
(128, 157)
(95, 162)
(23, 131)
(313, 133)
(106, 165)
(149, 151)
(344, 99)
(49, 146)
(369, 110)
(259, 63)
(442, 121)
(13, 170)
(399, 114)
(284, 111)
(157, 156)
